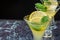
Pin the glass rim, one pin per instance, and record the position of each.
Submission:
(25, 18)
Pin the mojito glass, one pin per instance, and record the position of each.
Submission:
(40, 20)
(39, 28)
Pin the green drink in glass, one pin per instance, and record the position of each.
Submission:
(38, 22)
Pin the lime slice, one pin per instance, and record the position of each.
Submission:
(51, 4)
(35, 19)
(36, 16)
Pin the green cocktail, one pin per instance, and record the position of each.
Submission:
(39, 20)
(38, 24)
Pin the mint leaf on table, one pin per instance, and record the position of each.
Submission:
(41, 7)
(44, 19)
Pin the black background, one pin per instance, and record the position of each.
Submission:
(17, 9)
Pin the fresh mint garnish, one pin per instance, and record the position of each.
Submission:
(44, 19)
(35, 26)
(41, 7)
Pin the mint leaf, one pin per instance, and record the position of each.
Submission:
(35, 26)
(41, 7)
(44, 19)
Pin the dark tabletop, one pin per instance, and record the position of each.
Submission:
(19, 30)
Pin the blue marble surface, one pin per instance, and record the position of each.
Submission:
(19, 30)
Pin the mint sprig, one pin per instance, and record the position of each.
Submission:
(41, 7)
